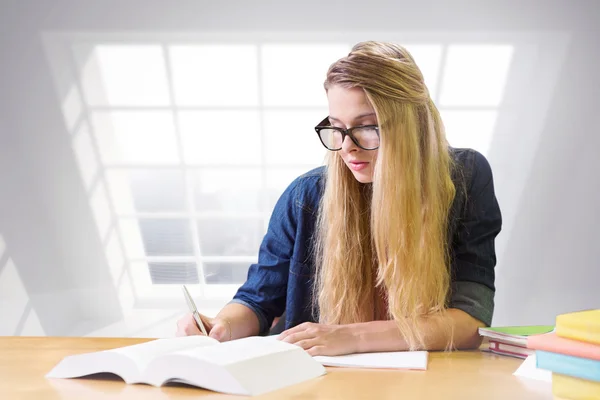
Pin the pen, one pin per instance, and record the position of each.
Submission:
(194, 310)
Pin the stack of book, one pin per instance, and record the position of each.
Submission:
(572, 353)
(511, 340)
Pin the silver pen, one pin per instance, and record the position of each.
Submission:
(194, 310)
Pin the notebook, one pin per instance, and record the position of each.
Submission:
(416, 360)
(582, 325)
(248, 366)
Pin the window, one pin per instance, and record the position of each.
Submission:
(186, 147)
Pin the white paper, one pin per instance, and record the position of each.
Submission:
(528, 369)
(396, 360)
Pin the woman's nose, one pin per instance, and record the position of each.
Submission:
(348, 144)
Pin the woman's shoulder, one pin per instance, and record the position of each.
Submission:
(309, 180)
(471, 167)
(306, 189)
(465, 156)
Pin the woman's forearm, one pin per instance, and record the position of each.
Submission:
(380, 336)
(240, 319)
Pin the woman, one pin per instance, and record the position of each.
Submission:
(391, 245)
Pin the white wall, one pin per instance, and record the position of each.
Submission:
(546, 250)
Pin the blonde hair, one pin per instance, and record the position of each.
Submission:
(389, 239)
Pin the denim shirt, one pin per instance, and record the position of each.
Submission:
(281, 280)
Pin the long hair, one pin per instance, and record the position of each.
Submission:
(382, 249)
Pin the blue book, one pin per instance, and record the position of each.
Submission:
(578, 367)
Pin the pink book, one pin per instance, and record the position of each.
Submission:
(552, 343)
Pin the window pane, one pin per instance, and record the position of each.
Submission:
(166, 236)
(225, 273)
(290, 137)
(474, 129)
(125, 75)
(230, 237)
(233, 191)
(173, 273)
(428, 59)
(293, 74)
(221, 137)
(146, 190)
(136, 137)
(475, 75)
(215, 75)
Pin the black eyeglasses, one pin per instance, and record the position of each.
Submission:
(365, 136)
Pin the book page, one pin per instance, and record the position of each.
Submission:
(237, 350)
(141, 354)
(397, 360)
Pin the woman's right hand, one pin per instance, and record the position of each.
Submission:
(216, 328)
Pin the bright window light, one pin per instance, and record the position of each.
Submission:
(221, 137)
(475, 75)
(290, 137)
(293, 74)
(126, 75)
(136, 137)
(146, 190)
(473, 129)
(227, 191)
(215, 75)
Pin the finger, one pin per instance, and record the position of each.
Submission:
(308, 343)
(191, 329)
(208, 322)
(186, 326)
(296, 337)
(219, 332)
(298, 328)
(317, 351)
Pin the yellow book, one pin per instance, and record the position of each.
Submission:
(583, 326)
(568, 387)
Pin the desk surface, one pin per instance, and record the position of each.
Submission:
(458, 375)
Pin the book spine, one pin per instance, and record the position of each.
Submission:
(568, 387)
(568, 365)
(509, 350)
(565, 346)
(578, 333)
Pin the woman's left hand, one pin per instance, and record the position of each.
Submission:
(322, 340)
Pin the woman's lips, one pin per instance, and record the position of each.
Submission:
(358, 166)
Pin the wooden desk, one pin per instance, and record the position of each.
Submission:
(459, 375)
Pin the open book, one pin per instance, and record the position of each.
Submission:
(249, 366)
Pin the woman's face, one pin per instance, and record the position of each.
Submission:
(349, 108)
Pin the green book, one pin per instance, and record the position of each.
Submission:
(514, 334)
